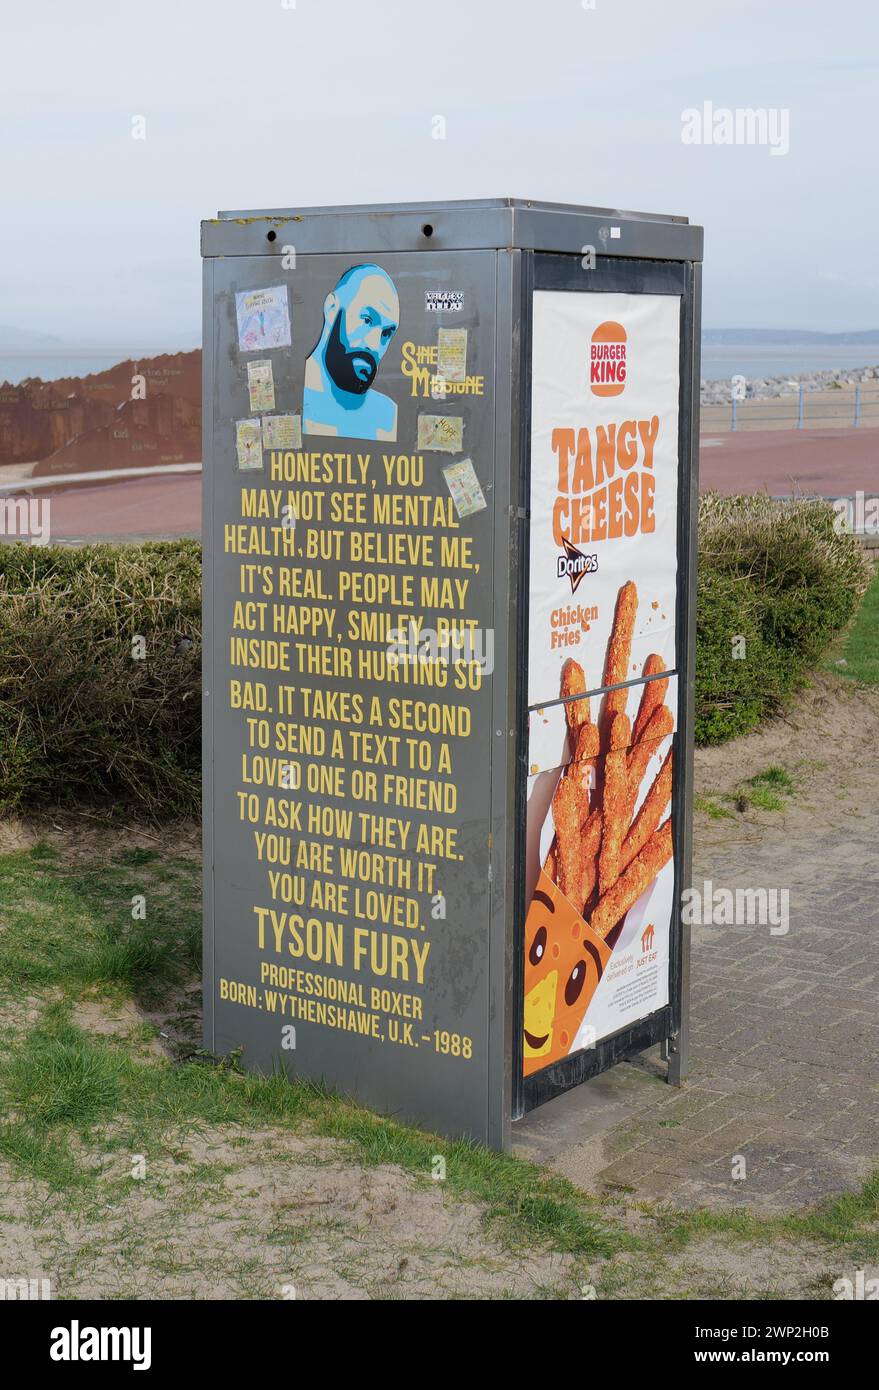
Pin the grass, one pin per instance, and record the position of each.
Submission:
(710, 806)
(131, 927)
(58, 1085)
(856, 656)
(68, 930)
(76, 1106)
(765, 791)
(848, 1222)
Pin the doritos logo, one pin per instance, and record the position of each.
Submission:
(607, 359)
(574, 564)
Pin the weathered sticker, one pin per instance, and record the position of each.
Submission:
(451, 354)
(261, 385)
(444, 301)
(441, 432)
(263, 319)
(463, 484)
(248, 442)
(282, 432)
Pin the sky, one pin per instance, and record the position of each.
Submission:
(282, 103)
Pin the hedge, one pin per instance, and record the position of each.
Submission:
(777, 581)
(100, 650)
(100, 676)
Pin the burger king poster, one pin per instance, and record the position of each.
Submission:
(604, 474)
(602, 688)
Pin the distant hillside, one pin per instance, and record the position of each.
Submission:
(26, 340)
(786, 337)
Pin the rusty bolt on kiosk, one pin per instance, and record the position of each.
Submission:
(450, 500)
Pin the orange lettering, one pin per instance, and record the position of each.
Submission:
(648, 520)
(559, 518)
(648, 430)
(605, 440)
(562, 444)
(631, 495)
(627, 448)
(614, 504)
(583, 479)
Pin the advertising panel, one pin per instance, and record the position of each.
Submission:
(602, 692)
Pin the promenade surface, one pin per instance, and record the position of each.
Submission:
(828, 462)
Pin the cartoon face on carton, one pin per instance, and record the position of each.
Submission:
(564, 961)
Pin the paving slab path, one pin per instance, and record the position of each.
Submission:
(781, 1107)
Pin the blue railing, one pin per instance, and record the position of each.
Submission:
(803, 412)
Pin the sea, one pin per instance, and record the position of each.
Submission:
(718, 362)
(15, 367)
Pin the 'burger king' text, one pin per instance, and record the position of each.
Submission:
(605, 486)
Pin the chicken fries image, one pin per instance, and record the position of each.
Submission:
(619, 650)
(631, 884)
(567, 816)
(616, 797)
(650, 814)
(659, 726)
(602, 857)
(591, 846)
(577, 711)
(655, 692)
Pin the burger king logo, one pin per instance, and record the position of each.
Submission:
(607, 359)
